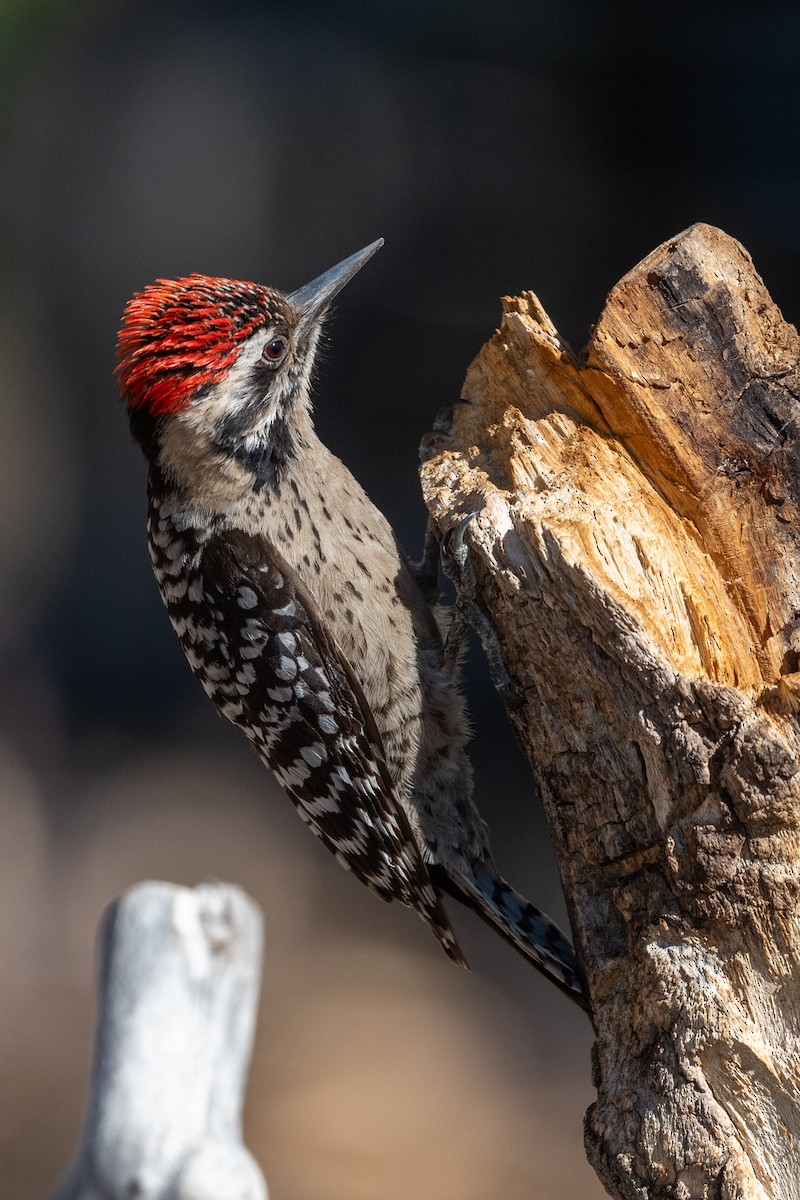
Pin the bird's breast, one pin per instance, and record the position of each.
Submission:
(344, 550)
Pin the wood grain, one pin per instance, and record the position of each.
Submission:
(636, 548)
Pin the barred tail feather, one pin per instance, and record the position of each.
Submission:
(427, 902)
(440, 927)
(529, 930)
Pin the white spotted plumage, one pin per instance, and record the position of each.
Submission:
(298, 612)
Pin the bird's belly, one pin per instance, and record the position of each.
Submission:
(346, 554)
(374, 630)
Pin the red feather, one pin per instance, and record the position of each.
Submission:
(179, 335)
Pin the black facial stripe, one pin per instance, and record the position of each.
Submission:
(266, 460)
(241, 420)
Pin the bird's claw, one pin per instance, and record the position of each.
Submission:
(457, 566)
(436, 438)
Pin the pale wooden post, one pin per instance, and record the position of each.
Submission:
(637, 548)
(179, 983)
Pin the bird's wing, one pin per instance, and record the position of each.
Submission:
(264, 655)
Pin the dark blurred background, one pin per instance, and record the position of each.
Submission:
(543, 146)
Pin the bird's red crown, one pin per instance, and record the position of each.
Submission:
(179, 335)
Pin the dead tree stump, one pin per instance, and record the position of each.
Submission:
(637, 548)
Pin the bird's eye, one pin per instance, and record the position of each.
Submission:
(275, 351)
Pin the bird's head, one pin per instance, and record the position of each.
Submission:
(215, 373)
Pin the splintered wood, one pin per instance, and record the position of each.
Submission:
(637, 548)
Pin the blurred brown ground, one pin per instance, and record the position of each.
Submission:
(380, 1070)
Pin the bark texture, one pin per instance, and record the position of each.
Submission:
(637, 548)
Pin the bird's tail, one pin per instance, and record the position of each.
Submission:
(528, 929)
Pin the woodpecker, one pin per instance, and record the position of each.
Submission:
(297, 610)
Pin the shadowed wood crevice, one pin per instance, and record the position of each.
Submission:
(637, 549)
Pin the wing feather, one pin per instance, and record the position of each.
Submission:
(269, 662)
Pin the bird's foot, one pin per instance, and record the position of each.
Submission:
(426, 571)
(457, 566)
(437, 437)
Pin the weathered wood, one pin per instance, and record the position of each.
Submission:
(638, 550)
(179, 982)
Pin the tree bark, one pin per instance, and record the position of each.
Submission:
(180, 974)
(637, 550)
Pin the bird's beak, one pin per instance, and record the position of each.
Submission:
(314, 298)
